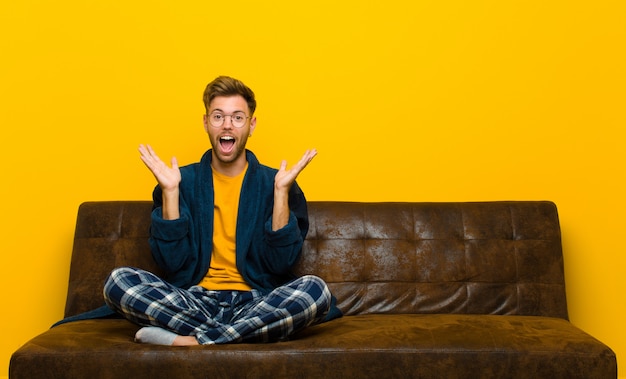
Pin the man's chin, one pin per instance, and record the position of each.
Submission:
(226, 158)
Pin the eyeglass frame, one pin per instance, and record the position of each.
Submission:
(224, 118)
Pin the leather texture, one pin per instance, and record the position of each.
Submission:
(455, 290)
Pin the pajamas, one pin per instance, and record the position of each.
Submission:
(217, 317)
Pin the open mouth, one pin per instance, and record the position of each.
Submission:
(227, 143)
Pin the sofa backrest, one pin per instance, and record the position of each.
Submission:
(472, 258)
(108, 234)
(480, 258)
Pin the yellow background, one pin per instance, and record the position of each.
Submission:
(422, 100)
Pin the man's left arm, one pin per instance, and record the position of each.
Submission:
(282, 183)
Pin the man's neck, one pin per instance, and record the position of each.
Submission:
(229, 168)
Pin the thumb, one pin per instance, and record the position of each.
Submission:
(174, 163)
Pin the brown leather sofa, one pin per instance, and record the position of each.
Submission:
(428, 290)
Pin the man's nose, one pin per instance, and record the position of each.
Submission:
(228, 121)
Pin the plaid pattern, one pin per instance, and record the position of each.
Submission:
(216, 317)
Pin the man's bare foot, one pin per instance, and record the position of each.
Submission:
(185, 341)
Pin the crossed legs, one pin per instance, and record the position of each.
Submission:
(199, 316)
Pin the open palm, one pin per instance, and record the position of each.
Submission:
(168, 177)
(284, 178)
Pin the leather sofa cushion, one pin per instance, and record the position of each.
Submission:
(364, 346)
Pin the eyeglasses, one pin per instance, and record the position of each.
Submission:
(237, 119)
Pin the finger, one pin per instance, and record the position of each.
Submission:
(144, 154)
(153, 154)
(151, 159)
(309, 155)
(143, 151)
(306, 159)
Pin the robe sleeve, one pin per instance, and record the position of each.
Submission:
(172, 242)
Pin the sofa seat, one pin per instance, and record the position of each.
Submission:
(363, 346)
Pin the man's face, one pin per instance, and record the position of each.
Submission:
(229, 141)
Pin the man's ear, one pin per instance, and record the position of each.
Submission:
(252, 125)
(205, 121)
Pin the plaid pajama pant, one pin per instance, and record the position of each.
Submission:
(216, 317)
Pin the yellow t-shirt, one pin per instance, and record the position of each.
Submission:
(223, 273)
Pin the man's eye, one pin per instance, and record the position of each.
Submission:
(238, 117)
(217, 117)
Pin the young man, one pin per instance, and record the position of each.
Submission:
(226, 231)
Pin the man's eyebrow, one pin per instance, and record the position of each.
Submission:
(220, 110)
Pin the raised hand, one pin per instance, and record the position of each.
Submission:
(167, 177)
(285, 178)
(282, 183)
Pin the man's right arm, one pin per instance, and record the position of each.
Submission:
(172, 242)
(171, 207)
(170, 239)
(168, 178)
